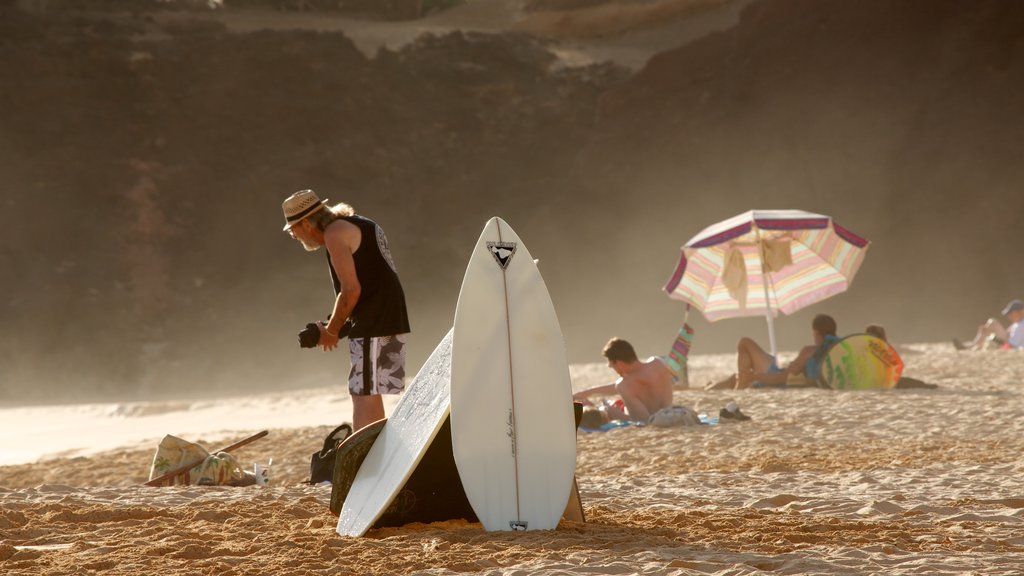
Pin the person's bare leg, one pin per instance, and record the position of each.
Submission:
(770, 377)
(726, 384)
(979, 338)
(366, 410)
(751, 359)
(986, 331)
(995, 328)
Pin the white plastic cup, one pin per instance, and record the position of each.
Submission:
(262, 472)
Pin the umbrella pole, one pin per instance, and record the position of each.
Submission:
(767, 301)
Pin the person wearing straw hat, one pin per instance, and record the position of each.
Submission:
(369, 304)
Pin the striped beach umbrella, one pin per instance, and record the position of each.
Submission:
(763, 262)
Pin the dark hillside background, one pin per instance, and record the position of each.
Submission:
(143, 166)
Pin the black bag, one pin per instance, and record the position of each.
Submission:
(321, 463)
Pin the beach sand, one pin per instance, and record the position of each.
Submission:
(819, 482)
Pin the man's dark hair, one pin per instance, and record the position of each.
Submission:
(619, 349)
(592, 418)
(876, 330)
(824, 325)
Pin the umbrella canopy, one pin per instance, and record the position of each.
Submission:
(764, 262)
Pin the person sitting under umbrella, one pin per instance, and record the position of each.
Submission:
(754, 365)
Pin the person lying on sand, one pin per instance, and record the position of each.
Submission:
(753, 364)
(596, 416)
(878, 331)
(992, 332)
(644, 387)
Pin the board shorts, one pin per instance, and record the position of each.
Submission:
(378, 365)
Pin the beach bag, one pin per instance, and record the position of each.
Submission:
(220, 469)
(321, 463)
(173, 453)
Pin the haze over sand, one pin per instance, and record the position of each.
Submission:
(160, 151)
(143, 163)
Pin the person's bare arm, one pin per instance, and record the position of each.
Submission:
(798, 363)
(341, 239)
(604, 390)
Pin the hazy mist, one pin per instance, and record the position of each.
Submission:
(143, 169)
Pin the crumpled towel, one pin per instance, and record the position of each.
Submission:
(674, 416)
(220, 469)
(734, 276)
(173, 453)
(777, 254)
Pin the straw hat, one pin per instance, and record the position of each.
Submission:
(300, 205)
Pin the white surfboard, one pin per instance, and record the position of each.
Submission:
(401, 445)
(513, 427)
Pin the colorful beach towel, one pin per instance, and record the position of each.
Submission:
(680, 353)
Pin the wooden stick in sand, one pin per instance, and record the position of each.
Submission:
(159, 480)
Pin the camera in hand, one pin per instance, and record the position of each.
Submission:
(309, 336)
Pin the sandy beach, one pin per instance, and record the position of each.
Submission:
(818, 482)
(145, 153)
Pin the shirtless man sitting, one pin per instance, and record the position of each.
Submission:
(645, 387)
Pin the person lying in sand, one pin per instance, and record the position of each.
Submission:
(878, 331)
(596, 416)
(993, 332)
(753, 364)
(644, 387)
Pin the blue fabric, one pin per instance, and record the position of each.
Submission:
(773, 368)
(610, 426)
(708, 419)
(812, 369)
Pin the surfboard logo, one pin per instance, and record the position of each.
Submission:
(511, 433)
(518, 525)
(502, 252)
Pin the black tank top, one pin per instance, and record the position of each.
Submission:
(380, 310)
